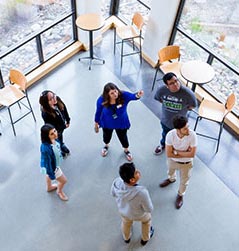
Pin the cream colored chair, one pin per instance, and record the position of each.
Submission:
(14, 93)
(168, 61)
(216, 112)
(130, 33)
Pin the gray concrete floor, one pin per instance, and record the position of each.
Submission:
(32, 219)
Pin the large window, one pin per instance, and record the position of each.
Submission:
(127, 8)
(34, 31)
(214, 25)
(105, 8)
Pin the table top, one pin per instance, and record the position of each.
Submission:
(90, 21)
(197, 72)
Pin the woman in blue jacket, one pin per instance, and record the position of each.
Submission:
(51, 159)
(111, 114)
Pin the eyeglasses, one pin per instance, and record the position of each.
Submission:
(173, 82)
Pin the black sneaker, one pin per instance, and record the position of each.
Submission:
(63, 154)
(65, 149)
(127, 241)
(151, 235)
(159, 149)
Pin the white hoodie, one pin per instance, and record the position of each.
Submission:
(133, 201)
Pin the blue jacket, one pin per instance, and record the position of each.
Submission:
(114, 116)
(48, 160)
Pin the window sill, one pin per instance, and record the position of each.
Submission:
(53, 63)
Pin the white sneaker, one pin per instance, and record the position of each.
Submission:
(104, 151)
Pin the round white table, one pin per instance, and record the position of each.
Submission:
(90, 22)
(197, 72)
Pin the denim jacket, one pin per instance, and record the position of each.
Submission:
(48, 159)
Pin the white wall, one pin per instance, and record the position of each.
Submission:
(83, 7)
(159, 26)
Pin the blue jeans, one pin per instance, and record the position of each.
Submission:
(164, 133)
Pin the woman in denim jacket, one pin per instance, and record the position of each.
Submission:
(51, 159)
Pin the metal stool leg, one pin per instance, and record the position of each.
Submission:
(114, 39)
(122, 52)
(155, 76)
(30, 107)
(13, 128)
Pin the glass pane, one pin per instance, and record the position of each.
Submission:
(128, 8)
(217, 28)
(217, 25)
(57, 38)
(20, 19)
(224, 83)
(189, 50)
(24, 59)
(105, 8)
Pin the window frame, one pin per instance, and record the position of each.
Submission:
(211, 54)
(37, 36)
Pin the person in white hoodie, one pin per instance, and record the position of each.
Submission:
(134, 202)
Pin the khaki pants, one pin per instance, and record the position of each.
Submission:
(145, 226)
(184, 171)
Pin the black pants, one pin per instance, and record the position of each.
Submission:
(121, 133)
(60, 137)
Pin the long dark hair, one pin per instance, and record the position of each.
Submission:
(107, 88)
(43, 100)
(45, 129)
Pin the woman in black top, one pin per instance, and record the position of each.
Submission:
(54, 112)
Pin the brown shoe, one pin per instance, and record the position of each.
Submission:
(166, 182)
(179, 201)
